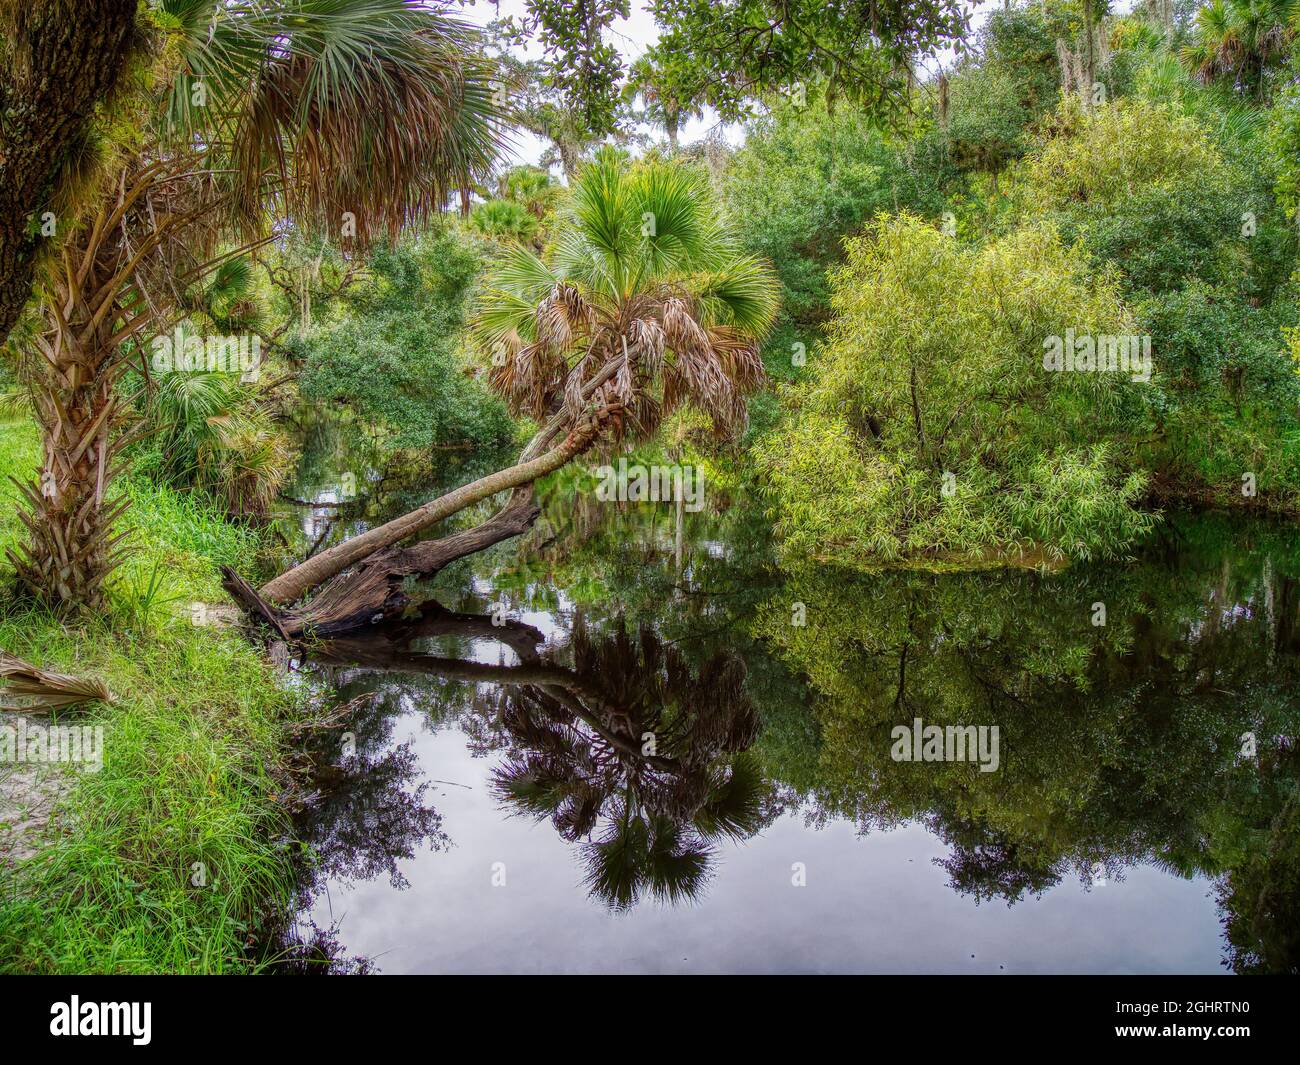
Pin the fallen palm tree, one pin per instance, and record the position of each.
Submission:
(40, 690)
(644, 305)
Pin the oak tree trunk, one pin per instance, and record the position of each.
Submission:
(63, 57)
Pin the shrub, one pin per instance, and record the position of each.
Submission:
(930, 429)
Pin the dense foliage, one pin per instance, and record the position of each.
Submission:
(931, 428)
(1023, 205)
(395, 354)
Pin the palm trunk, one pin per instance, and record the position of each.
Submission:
(535, 462)
(376, 589)
(92, 311)
(296, 582)
(70, 507)
(568, 157)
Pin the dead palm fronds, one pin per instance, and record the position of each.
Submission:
(40, 690)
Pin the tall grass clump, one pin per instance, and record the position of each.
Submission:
(172, 855)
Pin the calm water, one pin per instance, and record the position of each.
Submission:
(675, 757)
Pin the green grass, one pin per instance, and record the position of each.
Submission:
(192, 760)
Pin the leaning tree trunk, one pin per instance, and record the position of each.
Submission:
(538, 459)
(375, 590)
(64, 57)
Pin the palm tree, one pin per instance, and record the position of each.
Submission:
(532, 187)
(211, 429)
(644, 303)
(669, 91)
(350, 117)
(1240, 40)
(505, 220)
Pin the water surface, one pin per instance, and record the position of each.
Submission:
(667, 754)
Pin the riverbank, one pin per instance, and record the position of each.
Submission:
(168, 857)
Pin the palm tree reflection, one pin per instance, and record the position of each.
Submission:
(632, 753)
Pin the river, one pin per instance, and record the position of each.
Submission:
(629, 743)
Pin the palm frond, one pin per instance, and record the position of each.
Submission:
(743, 295)
(27, 687)
(644, 288)
(370, 109)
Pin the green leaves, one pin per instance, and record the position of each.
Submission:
(394, 352)
(805, 179)
(582, 66)
(929, 428)
(602, 206)
(735, 49)
(368, 110)
(508, 302)
(741, 294)
(644, 284)
(504, 220)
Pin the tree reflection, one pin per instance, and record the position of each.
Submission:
(631, 753)
(1166, 736)
(640, 756)
(1122, 743)
(367, 809)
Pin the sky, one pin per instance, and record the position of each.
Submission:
(633, 36)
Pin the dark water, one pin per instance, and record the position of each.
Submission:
(651, 767)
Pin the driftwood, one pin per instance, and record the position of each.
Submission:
(245, 594)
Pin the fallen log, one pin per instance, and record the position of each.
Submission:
(535, 462)
(245, 594)
(376, 590)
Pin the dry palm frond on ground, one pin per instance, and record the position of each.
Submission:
(40, 690)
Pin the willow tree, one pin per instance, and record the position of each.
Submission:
(349, 117)
(644, 303)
